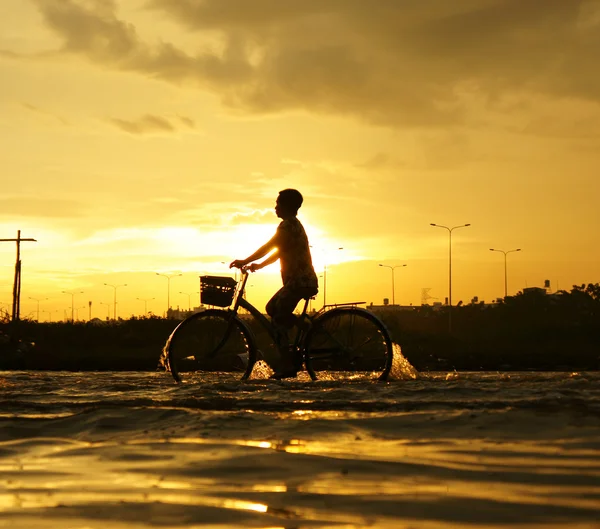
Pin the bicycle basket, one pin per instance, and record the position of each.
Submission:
(217, 290)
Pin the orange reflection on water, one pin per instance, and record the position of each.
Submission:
(244, 505)
(302, 413)
(265, 487)
(257, 444)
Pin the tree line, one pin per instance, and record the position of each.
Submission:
(529, 331)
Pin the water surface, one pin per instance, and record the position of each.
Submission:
(115, 450)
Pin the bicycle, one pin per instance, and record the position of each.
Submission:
(341, 338)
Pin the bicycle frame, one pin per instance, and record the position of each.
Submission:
(240, 301)
(305, 329)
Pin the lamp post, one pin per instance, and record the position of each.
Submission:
(107, 309)
(78, 309)
(50, 313)
(168, 288)
(392, 268)
(505, 273)
(325, 280)
(450, 267)
(189, 295)
(115, 298)
(72, 302)
(38, 306)
(145, 300)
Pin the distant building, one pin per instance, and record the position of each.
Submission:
(386, 307)
(537, 290)
(179, 314)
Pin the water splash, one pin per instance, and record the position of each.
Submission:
(261, 370)
(402, 369)
(163, 361)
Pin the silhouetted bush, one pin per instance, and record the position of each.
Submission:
(531, 330)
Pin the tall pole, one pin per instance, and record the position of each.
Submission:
(505, 267)
(16, 305)
(168, 289)
(325, 280)
(38, 306)
(78, 309)
(107, 309)
(115, 298)
(392, 268)
(50, 314)
(324, 284)
(72, 302)
(450, 267)
(189, 295)
(145, 300)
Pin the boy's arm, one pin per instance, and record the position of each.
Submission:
(269, 260)
(258, 254)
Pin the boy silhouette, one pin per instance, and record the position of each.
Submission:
(290, 246)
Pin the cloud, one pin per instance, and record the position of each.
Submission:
(25, 206)
(254, 217)
(149, 124)
(42, 112)
(398, 64)
(377, 162)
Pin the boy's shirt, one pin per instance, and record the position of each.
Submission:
(294, 255)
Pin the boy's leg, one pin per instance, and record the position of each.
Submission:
(281, 309)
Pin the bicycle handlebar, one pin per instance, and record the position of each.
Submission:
(243, 269)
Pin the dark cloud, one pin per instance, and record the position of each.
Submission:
(408, 63)
(148, 124)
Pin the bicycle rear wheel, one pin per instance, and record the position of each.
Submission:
(349, 342)
(211, 341)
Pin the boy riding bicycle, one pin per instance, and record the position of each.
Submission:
(290, 246)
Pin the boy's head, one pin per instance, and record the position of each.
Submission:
(288, 203)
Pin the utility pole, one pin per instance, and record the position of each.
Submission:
(115, 297)
(450, 230)
(505, 272)
(392, 268)
(16, 305)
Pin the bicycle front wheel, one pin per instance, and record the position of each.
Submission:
(349, 342)
(211, 341)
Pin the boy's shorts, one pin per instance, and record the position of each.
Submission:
(281, 306)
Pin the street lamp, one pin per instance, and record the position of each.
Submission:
(115, 298)
(50, 313)
(168, 289)
(72, 302)
(78, 309)
(107, 309)
(189, 295)
(38, 306)
(145, 300)
(392, 268)
(325, 279)
(505, 274)
(450, 267)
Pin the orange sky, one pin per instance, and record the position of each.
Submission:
(145, 136)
